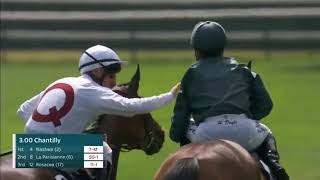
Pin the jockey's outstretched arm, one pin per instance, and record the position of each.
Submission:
(112, 103)
(26, 109)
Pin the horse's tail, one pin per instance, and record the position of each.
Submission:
(5, 153)
(186, 168)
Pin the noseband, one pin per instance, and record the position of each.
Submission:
(146, 143)
(148, 139)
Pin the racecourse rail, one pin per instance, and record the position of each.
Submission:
(266, 25)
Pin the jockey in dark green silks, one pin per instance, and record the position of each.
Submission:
(226, 99)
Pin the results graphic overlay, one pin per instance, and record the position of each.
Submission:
(58, 150)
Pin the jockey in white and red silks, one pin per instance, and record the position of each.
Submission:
(68, 105)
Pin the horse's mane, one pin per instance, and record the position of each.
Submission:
(121, 89)
(186, 168)
(121, 86)
(5, 153)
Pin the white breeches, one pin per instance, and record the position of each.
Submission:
(247, 132)
(107, 152)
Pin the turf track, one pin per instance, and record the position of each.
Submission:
(292, 78)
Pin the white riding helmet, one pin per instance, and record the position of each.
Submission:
(98, 56)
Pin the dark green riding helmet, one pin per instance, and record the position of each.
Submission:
(208, 35)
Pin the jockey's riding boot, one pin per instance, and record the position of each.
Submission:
(81, 174)
(269, 154)
(100, 174)
(103, 173)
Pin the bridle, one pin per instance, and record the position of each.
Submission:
(148, 139)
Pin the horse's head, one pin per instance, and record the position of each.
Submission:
(137, 132)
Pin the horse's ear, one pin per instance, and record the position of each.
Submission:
(134, 83)
(249, 64)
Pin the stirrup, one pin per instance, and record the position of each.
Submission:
(281, 174)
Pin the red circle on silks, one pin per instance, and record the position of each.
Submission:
(54, 115)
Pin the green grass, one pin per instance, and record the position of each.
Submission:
(293, 80)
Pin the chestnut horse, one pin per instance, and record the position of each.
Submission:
(213, 160)
(140, 132)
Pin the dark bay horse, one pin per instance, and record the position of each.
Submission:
(140, 132)
(137, 132)
(213, 160)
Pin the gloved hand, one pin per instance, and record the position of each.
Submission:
(175, 89)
